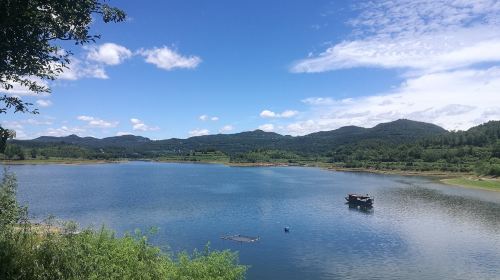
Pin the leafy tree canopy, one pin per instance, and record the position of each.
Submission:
(31, 34)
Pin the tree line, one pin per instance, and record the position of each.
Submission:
(475, 150)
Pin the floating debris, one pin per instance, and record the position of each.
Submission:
(286, 229)
(241, 238)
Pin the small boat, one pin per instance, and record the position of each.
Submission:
(358, 199)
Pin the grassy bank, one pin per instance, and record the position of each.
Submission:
(204, 157)
(474, 182)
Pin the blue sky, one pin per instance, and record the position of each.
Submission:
(185, 68)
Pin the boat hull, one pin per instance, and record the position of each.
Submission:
(360, 203)
(359, 200)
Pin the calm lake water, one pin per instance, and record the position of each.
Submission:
(418, 229)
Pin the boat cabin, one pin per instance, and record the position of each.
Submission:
(357, 199)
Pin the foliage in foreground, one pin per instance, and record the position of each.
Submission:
(32, 33)
(28, 251)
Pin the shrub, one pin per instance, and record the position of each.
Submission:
(494, 170)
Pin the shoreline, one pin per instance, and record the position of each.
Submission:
(437, 174)
(473, 182)
(463, 180)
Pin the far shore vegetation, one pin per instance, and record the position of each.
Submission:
(402, 145)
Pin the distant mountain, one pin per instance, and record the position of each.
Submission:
(399, 131)
(73, 139)
(88, 142)
(405, 129)
(399, 145)
(229, 143)
(491, 127)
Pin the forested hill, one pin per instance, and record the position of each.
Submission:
(400, 131)
(88, 142)
(401, 145)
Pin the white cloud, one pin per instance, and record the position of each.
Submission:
(20, 134)
(102, 123)
(12, 125)
(121, 133)
(206, 118)
(75, 70)
(284, 114)
(428, 35)
(267, 127)
(92, 66)
(323, 101)
(226, 128)
(21, 124)
(455, 100)
(63, 131)
(447, 49)
(288, 114)
(430, 52)
(85, 118)
(198, 132)
(109, 53)
(140, 125)
(78, 69)
(317, 100)
(267, 114)
(168, 59)
(44, 102)
(37, 121)
(21, 90)
(96, 122)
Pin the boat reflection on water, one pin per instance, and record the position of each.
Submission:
(361, 208)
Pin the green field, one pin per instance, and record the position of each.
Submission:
(489, 184)
(207, 157)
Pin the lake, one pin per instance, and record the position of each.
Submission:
(418, 228)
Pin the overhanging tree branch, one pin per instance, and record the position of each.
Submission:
(30, 31)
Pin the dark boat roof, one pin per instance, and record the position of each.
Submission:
(359, 195)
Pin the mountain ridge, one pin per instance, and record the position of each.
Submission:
(399, 145)
(398, 131)
(257, 132)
